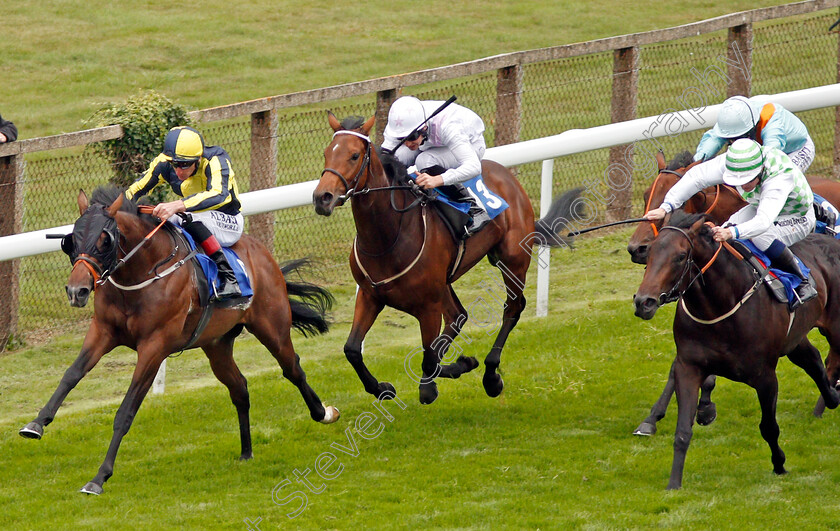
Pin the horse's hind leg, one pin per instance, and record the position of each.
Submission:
(706, 410)
(513, 266)
(149, 358)
(455, 316)
(96, 345)
(807, 356)
(272, 329)
(657, 412)
(224, 367)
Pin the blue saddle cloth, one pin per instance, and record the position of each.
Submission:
(212, 272)
(789, 280)
(493, 204)
(821, 227)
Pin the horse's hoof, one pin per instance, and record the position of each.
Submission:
(385, 391)
(91, 488)
(706, 414)
(246, 457)
(645, 429)
(468, 363)
(428, 393)
(33, 430)
(331, 415)
(493, 385)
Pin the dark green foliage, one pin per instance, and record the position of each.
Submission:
(145, 118)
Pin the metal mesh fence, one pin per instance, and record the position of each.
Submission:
(555, 96)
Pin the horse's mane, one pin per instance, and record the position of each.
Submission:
(680, 161)
(106, 194)
(683, 220)
(353, 123)
(394, 169)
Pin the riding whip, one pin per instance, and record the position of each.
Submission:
(575, 233)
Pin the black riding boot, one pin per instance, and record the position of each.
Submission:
(228, 286)
(787, 263)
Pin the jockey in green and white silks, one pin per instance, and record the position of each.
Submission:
(779, 212)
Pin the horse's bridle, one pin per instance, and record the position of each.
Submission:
(350, 186)
(675, 293)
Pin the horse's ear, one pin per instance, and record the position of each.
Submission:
(368, 125)
(660, 160)
(699, 226)
(82, 200)
(334, 123)
(115, 206)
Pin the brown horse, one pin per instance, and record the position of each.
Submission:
(719, 202)
(159, 313)
(405, 258)
(727, 324)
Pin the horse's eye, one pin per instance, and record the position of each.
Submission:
(681, 257)
(355, 157)
(106, 241)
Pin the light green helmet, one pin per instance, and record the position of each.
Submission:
(744, 161)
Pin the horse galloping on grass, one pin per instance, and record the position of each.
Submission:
(719, 203)
(404, 257)
(159, 313)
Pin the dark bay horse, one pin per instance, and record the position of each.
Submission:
(719, 202)
(405, 258)
(729, 325)
(156, 311)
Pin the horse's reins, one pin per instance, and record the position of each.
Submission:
(107, 275)
(702, 270)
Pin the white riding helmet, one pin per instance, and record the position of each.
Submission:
(406, 114)
(737, 116)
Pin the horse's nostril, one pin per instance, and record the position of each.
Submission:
(326, 198)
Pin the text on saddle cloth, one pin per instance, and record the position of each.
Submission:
(212, 273)
(492, 203)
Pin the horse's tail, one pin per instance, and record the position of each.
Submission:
(309, 314)
(552, 229)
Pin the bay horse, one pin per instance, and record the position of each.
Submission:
(719, 202)
(159, 313)
(726, 324)
(405, 258)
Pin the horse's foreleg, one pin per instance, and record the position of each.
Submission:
(366, 311)
(767, 392)
(224, 367)
(687, 383)
(455, 316)
(514, 278)
(272, 328)
(429, 329)
(96, 344)
(148, 363)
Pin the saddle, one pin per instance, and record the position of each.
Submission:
(778, 282)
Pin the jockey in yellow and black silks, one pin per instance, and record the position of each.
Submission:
(203, 178)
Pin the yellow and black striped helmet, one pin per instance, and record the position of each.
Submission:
(183, 144)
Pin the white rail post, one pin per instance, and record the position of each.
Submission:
(544, 251)
(159, 385)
